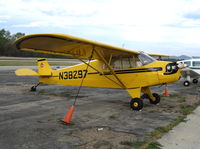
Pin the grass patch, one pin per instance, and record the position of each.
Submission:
(67, 124)
(183, 109)
(170, 106)
(18, 63)
(154, 145)
(186, 109)
(35, 58)
(128, 143)
(159, 132)
(181, 100)
(175, 95)
(139, 143)
(133, 144)
(113, 116)
(71, 124)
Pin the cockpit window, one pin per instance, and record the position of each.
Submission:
(196, 63)
(145, 59)
(131, 62)
(124, 62)
(187, 63)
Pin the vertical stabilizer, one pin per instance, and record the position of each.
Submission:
(44, 69)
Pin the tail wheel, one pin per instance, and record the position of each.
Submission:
(33, 89)
(186, 83)
(136, 104)
(195, 81)
(156, 100)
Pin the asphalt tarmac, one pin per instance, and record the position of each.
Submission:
(102, 117)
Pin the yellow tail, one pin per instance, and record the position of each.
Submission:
(26, 72)
(44, 69)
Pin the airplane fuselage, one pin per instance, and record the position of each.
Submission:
(144, 76)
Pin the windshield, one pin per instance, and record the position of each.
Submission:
(145, 58)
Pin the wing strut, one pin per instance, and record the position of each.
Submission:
(110, 68)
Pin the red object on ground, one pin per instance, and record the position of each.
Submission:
(166, 91)
(68, 116)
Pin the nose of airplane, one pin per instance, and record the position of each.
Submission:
(171, 68)
(181, 65)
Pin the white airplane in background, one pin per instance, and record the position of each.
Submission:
(191, 70)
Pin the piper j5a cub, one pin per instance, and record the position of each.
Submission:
(107, 66)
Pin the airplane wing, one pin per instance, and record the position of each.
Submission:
(190, 72)
(67, 45)
(158, 56)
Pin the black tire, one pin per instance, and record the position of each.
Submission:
(136, 104)
(33, 89)
(186, 83)
(195, 81)
(157, 97)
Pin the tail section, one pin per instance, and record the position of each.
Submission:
(44, 69)
(26, 72)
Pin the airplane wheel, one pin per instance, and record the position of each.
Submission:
(136, 104)
(195, 81)
(33, 89)
(186, 83)
(157, 97)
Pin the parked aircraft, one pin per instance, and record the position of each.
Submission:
(107, 66)
(191, 70)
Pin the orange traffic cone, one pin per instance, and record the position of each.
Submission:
(166, 91)
(68, 116)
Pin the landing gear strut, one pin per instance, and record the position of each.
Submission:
(153, 97)
(154, 100)
(33, 88)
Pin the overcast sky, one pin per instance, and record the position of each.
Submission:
(159, 26)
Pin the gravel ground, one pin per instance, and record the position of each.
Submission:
(102, 117)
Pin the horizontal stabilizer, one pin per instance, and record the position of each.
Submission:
(26, 72)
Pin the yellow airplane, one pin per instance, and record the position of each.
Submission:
(108, 66)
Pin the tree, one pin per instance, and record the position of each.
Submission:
(4, 39)
(6, 43)
(17, 35)
(7, 48)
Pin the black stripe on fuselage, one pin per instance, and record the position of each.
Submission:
(131, 71)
